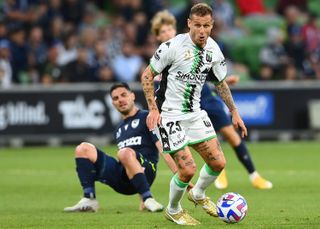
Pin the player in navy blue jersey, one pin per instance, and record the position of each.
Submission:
(163, 26)
(138, 155)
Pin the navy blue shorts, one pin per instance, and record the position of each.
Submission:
(216, 112)
(112, 173)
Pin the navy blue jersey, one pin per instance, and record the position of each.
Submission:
(213, 105)
(134, 133)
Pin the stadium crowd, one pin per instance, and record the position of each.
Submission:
(53, 41)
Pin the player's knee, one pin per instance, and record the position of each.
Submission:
(126, 155)
(84, 150)
(188, 172)
(219, 165)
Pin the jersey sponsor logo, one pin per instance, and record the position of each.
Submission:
(135, 123)
(198, 78)
(179, 141)
(130, 142)
(126, 126)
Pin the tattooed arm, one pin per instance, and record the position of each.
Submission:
(225, 93)
(148, 88)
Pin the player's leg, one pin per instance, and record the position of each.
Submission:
(137, 178)
(215, 162)
(178, 185)
(243, 155)
(85, 157)
(203, 139)
(173, 137)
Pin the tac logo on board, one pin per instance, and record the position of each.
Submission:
(79, 114)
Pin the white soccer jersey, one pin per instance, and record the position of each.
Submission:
(184, 68)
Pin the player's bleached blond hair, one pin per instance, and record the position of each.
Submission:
(163, 17)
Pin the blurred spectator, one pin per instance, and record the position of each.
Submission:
(273, 54)
(55, 31)
(251, 7)
(5, 66)
(282, 5)
(290, 72)
(19, 57)
(224, 16)
(73, 11)
(128, 65)
(36, 48)
(101, 64)
(54, 11)
(311, 33)
(295, 47)
(50, 71)
(79, 69)
(3, 30)
(266, 73)
(68, 49)
(292, 15)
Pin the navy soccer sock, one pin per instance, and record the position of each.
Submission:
(87, 174)
(139, 181)
(244, 157)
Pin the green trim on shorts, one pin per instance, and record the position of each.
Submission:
(174, 151)
(202, 140)
(210, 171)
(153, 69)
(178, 182)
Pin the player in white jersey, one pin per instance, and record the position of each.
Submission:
(185, 62)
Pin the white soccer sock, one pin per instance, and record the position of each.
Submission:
(253, 175)
(206, 177)
(177, 189)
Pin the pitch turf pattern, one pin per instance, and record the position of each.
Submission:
(37, 183)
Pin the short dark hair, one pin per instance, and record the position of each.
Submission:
(200, 9)
(119, 84)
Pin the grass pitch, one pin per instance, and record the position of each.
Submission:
(36, 183)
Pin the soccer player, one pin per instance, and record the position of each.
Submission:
(184, 62)
(163, 26)
(135, 169)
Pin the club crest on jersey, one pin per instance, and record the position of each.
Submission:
(209, 55)
(135, 123)
(188, 54)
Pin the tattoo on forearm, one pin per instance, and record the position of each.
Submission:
(148, 89)
(225, 93)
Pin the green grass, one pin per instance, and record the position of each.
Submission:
(36, 183)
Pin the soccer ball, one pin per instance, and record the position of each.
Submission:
(232, 207)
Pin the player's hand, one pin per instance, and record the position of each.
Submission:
(238, 123)
(232, 79)
(153, 119)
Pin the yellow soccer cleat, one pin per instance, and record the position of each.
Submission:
(261, 183)
(222, 181)
(206, 204)
(181, 218)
